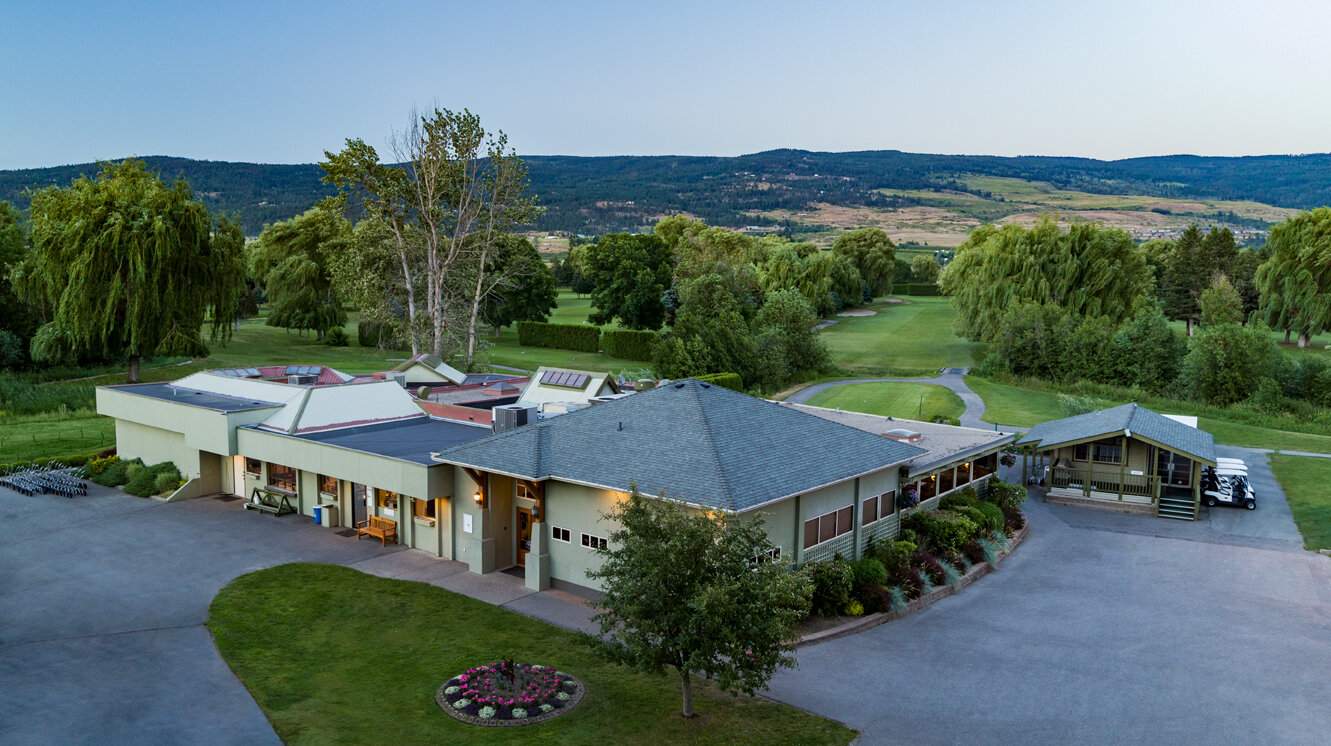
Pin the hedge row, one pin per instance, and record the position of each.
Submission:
(629, 344)
(730, 381)
(576, 337)
(918, 288)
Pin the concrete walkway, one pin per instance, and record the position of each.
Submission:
(953, 379)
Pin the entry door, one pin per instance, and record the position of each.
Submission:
(358, 507)
(238, 476)
(524, 535)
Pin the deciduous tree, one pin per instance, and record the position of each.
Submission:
(123, 264)
(874, 256)
(291, 259)
(629, 273)
(1226, 362)
(1220, 303)
(923, 268)
(1295, 282)
(524, 288)
(725, 614)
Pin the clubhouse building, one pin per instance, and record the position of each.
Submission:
(529, 491)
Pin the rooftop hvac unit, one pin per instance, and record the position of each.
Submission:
(511, 416)
(303, 380)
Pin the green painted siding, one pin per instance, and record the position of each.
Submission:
(579, 510)
(155, 445)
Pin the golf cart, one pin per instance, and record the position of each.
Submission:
(1227, 483)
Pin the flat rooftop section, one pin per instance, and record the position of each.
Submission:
(408, 440)
(194, 397)
(942, 443)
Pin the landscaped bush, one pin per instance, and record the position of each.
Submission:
(974, 514)
(929, 565)
(895, 558)
(832, 585)
(629, 344)
(578, 337)
(1006, 495)
(943, 531)
(960, 498)
(868, 572)
(994, 518)
(336, 337)
(143, 480)
(730, 381)
(97, 465)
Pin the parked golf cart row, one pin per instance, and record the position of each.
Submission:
(1227, 483)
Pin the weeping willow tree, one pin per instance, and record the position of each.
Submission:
(125, 265)
(1295, 283)
(874, 255)
(1088, 271)
(292, 258)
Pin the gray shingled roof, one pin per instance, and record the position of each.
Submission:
(697, 443)
(1131, 418)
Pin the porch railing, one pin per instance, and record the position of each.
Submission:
(1092, 480)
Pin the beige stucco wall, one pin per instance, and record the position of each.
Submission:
(154, 445)
(203, 429)
(578, 509)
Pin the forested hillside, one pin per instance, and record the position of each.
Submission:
(595, 195)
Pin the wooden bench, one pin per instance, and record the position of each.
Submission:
(379, 528)
(269, 501)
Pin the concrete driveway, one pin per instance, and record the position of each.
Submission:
(1102, 628)
(102, 604)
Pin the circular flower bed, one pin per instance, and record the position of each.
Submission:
(508, 693)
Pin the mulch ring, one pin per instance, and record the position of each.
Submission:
(575, 697)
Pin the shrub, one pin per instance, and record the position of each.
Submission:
(854, 608)
(629, 344)
(377, 334)
(973, 552)
(974, 514)
(868, 572)
(943, 531)
(958, 499)
(578, 337)
(134, 471)
(990, 550)
(1006, 495)
(895, 558)
(951, 575)
(144, 480)
(336, 337)
(994, 518)
(931, 566)
(908, 534)
(1014, 521)
(926, 583)
(98, 465)
(11, 349)
(116, 474)
(166, 483)
(832, 585)
(730, 381)
(142, 484)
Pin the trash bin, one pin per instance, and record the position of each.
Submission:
(329, 515)
(317, 517)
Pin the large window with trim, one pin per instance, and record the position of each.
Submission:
(879, 506)
(327, 484)
(386, 500)
(1107, 451)
(928, 487)
(828, 526)
(281, 477)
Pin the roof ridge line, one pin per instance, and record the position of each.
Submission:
(711, 443)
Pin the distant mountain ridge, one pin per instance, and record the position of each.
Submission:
(595, 194)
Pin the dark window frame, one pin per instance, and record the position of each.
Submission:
(277, 477)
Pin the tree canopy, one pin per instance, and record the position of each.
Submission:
(124, 265)
(1295, 282)
(1088, 270)
(726, 613)
(292, 259)
(525, 287)
(874, 256)
(629, 274)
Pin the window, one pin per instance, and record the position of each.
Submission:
(423, 509)
(1107, 451)
(1173, 469)
(928, 487)
(1081, 452)
(253, 467)
(887, 502)
(963, 473)
(561, 534)
(594, 542)
(945, 481)
(870, 511)
(986, 465)
(282, 477)
(828, 526)
(386, 500)
(327, 485)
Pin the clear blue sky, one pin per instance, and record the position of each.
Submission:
(282, 81)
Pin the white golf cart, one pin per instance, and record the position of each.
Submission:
(1227, 483)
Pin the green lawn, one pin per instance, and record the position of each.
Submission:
(336, 656)
(1005, 404)
(1305, 481)
(53, 436)
(912, 337)
(915, 401)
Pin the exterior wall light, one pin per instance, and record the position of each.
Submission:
(477, 497)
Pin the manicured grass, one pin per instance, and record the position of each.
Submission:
(912, 337)
(1305, 481)
(53, 435)
(336, 656)
(1008, 404)
(1005, 404)
(915, 401)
